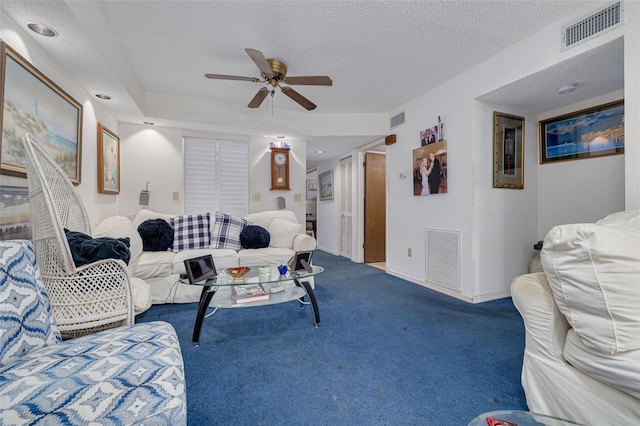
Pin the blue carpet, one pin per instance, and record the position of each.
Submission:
(387, 352)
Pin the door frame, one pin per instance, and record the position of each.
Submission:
(357, 254)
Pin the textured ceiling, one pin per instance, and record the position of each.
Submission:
(380, 54)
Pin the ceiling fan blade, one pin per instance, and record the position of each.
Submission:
(231, 77)
(306, 103)
(260, 61)
(258, 98)
(310, 80)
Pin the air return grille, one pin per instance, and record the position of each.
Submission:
(397, 120)
(443, 258)
(606, 19)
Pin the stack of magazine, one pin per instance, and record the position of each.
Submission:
(248, 293)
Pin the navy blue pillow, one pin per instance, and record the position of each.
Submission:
(254, 237)
(157, 235)
(85, 249)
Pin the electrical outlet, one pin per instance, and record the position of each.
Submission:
(297, 197)
(176, 196)
(409, 252)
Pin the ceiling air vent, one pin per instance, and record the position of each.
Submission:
(605, 19)
(397, 120)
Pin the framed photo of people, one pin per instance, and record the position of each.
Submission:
(508, 151)
(588, 133)
(430, 169)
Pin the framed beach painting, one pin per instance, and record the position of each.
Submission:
(588, 133)
(508, 151)
(31, 103)
(326, 185)
(108, 161)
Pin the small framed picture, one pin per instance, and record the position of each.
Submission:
(508, 151)
(326, 185)
(108, 161)
(301, 261)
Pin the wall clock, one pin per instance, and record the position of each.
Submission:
(280, 168)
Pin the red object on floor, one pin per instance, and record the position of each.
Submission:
(497, 422)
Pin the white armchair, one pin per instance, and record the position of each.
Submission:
(84, 299)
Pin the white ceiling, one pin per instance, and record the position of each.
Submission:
(379, 54)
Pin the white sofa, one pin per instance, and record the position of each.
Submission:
(162, 269)
(582, 320)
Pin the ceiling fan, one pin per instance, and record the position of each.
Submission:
(274, 73)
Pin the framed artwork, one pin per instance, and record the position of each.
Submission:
(326, 185)
(31, 103)
(508, 151)
(15, 216)
(429, 136)
(430, 169)
(312, 189)
(108, 161)
(588, 133)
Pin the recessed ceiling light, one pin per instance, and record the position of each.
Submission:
(150, 123)
(319, 151)
(567, 88)
(42, 29)
(103, 96)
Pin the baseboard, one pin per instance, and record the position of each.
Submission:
(476, 299)
(335, 253)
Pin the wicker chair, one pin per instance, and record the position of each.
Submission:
(84, 299)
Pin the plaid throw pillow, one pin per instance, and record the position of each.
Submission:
(226, 230)
(190, 231)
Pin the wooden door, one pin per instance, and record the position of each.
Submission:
(375, 207)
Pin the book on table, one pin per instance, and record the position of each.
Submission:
(249, 293)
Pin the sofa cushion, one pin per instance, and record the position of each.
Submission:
(225, 232)
(157, 235)
(190, 231)
(119, 227)
(265, 218)
(145, 214)
(282, 233)
(26, 321)
(152, 264)
(593, 271)
(222, 258)
(265, 256)
(254, 237)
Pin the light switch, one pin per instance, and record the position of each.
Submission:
(176, 195)
(297, 197)
(255, 196)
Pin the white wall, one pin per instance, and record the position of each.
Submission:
(580, 190)
(97, 205)
(153, 153)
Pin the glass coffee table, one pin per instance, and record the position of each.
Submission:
(517, 417)
(216, 292)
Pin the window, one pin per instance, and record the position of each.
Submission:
(216, 176)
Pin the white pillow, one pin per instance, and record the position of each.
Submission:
(594, 272)
(282, 233)
(145, 214)
(119, 227)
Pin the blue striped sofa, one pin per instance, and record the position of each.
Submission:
(124, 376)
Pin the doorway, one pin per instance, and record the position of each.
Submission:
(375, 207)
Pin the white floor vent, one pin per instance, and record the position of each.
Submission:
(396, 120)
(610, 17)
(443, 258)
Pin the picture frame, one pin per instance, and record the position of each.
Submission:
(32, 103)
(592, 132)
(296, 263)
(430, 169)
(312, 189)
(108, 161)
(326, 185)
(508, 151)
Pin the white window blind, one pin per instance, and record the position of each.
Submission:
(216, 176)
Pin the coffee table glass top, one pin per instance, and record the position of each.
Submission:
(521, 418)
(256, 274)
